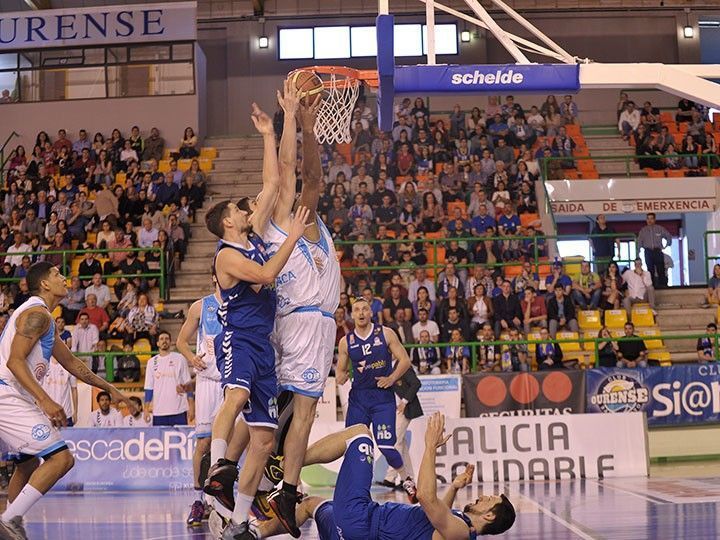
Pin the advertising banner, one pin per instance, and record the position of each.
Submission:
(104, 25)
(327, 405)
(524, 394)
(118, 459)
(540, 447)
(683, 394)
(487, 78)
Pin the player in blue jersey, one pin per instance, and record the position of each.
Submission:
(370, 348)
(353, 515)
(30, 418)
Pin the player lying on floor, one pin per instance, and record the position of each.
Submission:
(353, 515)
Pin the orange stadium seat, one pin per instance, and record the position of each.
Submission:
(463, 208)
(529, 219)
(676, 173)
(652, 173)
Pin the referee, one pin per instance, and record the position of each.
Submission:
(650, 238)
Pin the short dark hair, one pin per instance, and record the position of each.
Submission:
(102, 394)
(38, 272)
(136, 400)
(650, 214)
(165, 332)
(712, 325)
(504, 517)
(215, 216)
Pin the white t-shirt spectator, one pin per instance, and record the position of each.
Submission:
(16, 260)
(112, 419)
(85, 339)
(632, 118)
(146, 238)
(102, 293)
(637, 285)
(162, 375)
(432, 328)
(136, 421)
(58, 383)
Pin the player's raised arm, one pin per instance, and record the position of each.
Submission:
(30, 326)
(270, 172)
(460, 481)
(289, 101)
(399, 352)
(187, 331)
(239, 267)
(311, 165)
(439, 514)
(342, 370)
(77, 367)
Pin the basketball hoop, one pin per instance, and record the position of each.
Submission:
(342, 86)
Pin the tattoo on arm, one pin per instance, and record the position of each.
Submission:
(33, 325)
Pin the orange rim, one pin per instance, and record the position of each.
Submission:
(366, 76)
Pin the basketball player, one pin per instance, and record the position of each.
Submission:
(136, 419)
(105, 416)
(353, 515)
(303, 324)
(371, 348)
(62, 388)
(202, 319)
(166, 376)
(29, 417)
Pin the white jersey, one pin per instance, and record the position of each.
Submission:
(58, 384)
(112, 419)
(162, 376)
(329, 271)
(208, 327)
(39, 358)
(298, 284)
(136, 421)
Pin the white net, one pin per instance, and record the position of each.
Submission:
(335, 114)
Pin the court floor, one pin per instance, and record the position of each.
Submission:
(677, 502)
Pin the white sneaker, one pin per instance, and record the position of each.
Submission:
(13, 529)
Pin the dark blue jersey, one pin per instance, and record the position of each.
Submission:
(244, 309)
(370, 357)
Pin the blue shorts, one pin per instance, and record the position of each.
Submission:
(248, 362)
(352, 504)
(373, 407)
(170, 420)
(325, 521)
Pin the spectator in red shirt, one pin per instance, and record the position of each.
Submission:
(534, 310)
(116, 257)
(97, 315)
(62, 142)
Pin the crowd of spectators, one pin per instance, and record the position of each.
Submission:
(100, 194)
(666, 143)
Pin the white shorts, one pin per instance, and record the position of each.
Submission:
(303, 360)
(208, 398)
(24, 427)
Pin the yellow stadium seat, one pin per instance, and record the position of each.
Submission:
(572, 264)
(642, 315)
(92, 238)
(115, 343)
(142, 346)
(57, 312)
(164, 165)
(651, 343)
(615, 318)
(663, 357)
(717, 315)
(75, 266)
(206, 164)
(208, 152)
(569, 347)
(184, 164)
(589, 320)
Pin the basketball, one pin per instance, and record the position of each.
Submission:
(308, 84)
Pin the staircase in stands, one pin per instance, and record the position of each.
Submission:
(237, 172)
(608, 142)
(680, 311)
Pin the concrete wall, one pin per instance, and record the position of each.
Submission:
(170, 114)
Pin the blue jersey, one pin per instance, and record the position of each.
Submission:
(370, 358)
(243, 309)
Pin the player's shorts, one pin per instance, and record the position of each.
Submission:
(376, 407)
(24, 428)
(248, 361)
(301, 348)
(325, 521)
(208, 399)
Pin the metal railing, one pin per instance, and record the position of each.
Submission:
(434, 244)
(710, 161)
(68, 255)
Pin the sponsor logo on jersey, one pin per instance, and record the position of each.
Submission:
(367, 452)
(40, 432)
(311, 375)
(377, 342)
(382, 433)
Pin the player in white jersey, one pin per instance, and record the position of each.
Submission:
(105, 416)
(166, 379)
(62, 389)
(136, 419)
(30, 418)
(202, 319)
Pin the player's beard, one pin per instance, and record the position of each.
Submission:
(247, 229)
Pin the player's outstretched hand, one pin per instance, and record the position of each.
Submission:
(385, 382)
(198, 362)
(118, 397)
(464, 478)
(307, 116)
(299, 223)
(54, 412)
(263, 123)
(289, 99)
(435, 431)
